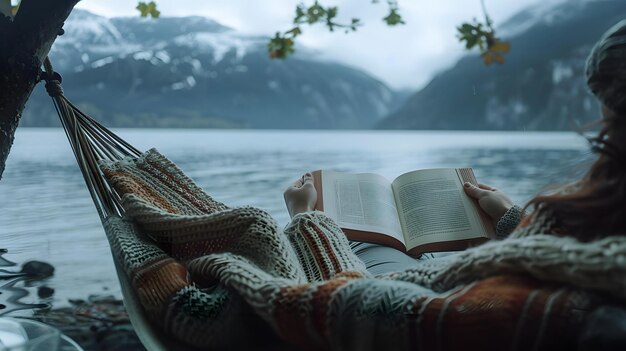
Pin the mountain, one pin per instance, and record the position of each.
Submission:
(195, 72)
(541, 86)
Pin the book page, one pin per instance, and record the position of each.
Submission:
(434, 208)
(362, 202)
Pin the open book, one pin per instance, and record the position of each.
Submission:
(420, 211)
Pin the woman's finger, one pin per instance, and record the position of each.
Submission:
(307, 178)
(474, 191)
(486, 187)
(298, 183)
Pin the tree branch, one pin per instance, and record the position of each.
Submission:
(40, 21)
(25, 42)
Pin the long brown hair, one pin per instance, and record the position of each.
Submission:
(595, 206)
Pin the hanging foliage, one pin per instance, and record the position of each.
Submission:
(148, 9)
(282, 44)
(483, 36)
(475, 34)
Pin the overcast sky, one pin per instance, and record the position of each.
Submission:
(403, 57)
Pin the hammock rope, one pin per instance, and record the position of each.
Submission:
(91, 143)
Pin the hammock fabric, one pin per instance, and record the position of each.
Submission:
(196, 272)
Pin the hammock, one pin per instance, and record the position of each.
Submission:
(92, 143)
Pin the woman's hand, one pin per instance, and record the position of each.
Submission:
(494, 202)
(301, 196)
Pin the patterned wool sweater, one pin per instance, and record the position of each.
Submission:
(227, 278)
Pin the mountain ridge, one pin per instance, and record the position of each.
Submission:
(541, 85)
(195, 72)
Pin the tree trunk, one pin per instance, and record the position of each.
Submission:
(24, 43)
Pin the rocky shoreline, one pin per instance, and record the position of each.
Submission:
(99, 323)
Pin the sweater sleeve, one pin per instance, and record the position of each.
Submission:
(321, 247)
(509, 221)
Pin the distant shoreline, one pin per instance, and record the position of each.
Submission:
(570, 131)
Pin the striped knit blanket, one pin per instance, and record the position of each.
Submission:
(217, 277)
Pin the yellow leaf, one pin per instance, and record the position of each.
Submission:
(500, 46)
(488, 58)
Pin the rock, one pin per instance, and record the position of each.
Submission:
(97, 323)
(38, 269)
(103, 299)
(3, 261)
(45, 292)
(76, 302)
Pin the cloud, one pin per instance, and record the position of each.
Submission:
(406, 56)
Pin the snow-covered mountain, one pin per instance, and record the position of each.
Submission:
(195, 72)
(541, 85)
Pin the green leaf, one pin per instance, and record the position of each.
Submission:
(393, 18)
(148, 9)
(354, 24)
(471, 33)
(280, 47)
(300, 13)
(331, 13)
(315, 13)
(294, 32)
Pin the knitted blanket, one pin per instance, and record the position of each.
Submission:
(227, 278)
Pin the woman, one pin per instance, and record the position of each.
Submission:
(590, 208)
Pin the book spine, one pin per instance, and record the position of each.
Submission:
(467, 175)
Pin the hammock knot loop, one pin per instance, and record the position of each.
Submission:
(53, 83)
(45, 76)
(54, 88)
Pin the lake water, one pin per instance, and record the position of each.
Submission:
(46, 212)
